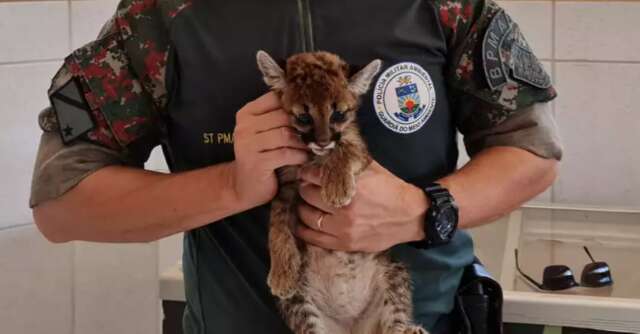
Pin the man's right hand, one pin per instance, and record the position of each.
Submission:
(263, 141)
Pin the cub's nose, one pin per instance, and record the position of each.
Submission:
(321, 150)
(323, 144)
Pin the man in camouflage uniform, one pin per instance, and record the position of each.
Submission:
(182, 74)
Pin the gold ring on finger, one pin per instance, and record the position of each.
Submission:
(320, 220)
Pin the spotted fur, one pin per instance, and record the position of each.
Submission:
(322, 291)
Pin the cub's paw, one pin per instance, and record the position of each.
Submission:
(338, 190)
(415, 330)
(281, 286)
(285, 271)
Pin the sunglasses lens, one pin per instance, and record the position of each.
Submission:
(596, 274)
(558, 278)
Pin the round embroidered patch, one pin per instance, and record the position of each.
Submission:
(404, 97)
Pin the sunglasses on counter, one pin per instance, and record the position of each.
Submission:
(560, 277)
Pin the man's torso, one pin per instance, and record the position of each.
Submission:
(212, 73)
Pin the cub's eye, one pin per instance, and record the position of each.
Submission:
(338, 117)
(304, 119)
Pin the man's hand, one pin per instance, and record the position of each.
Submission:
(125, 204)
(263, 142)
(385, 211)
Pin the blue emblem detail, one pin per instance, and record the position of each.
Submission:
(408, 101)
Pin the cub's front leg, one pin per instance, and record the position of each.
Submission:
(339, 174)
(286, 259)
(338, 187)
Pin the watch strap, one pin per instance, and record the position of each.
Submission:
(440, 199)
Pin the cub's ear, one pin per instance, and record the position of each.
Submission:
(272, 74)
(359, 82)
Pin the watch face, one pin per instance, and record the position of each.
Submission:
(446, 222)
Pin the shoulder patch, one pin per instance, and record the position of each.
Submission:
(112, 89)
(507, 56)
(73, 114)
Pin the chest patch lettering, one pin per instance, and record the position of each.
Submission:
(404, 97)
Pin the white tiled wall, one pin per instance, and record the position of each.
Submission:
(600, 114)
(535, 18)
(23, 93)
(87, 19)
(48, 39)
(75, 287)
(598, 31)
(36, 283)
(592, 48)
(116, 290)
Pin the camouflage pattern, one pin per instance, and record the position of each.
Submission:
(479, 105)
(457, 15)
(122, 73)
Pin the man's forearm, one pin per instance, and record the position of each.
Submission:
(497, 181)
(121, 204)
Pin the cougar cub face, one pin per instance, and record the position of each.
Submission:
(321, 126)
(317, 92)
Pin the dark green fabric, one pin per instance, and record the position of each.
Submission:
(436, 275)
(210, 67)
(226, 264)
(213, 74)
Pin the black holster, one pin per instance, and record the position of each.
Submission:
(479, 301)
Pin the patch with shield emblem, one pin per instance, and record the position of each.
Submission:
(507, 56)
(404, 97)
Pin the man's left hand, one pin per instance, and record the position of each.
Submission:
(384, 212)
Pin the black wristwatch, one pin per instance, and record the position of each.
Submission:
(441, 220)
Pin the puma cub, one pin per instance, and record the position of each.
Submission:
(322, 291)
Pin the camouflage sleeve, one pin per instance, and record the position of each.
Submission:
(60, 167)
(532, 128)
(108, 99)
(495, 80)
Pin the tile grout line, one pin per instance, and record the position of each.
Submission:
(552, 60)
(554, 75)
(69, 27)
(575, 1)
(10, 227)
(159, 314)
(588, 61)
(600, 1)
(73, 248)
(29, 62)
(73, 288)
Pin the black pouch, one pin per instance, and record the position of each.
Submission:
(479, 302)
